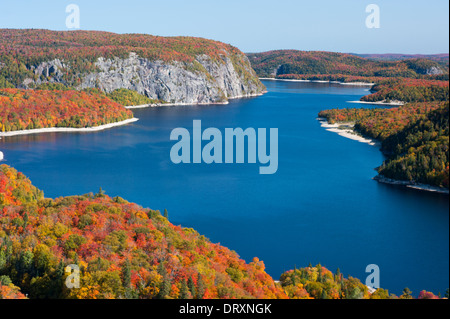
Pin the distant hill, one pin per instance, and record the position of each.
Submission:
(419, 81)
(442, 58)
(319, 64)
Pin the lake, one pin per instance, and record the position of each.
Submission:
(321, 206)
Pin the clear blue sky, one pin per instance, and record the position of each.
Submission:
(255, 25)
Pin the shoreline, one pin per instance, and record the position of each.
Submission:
(110, 125)
(68, 129)
(398, 103)
(350, 134)
(407, 184)
(247, 96)
(143, 106)
(321, 81)
(347, 132)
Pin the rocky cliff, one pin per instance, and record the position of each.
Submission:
(200, 82)
(175, 70)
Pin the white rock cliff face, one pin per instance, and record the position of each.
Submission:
(202, 82)
(434, 71)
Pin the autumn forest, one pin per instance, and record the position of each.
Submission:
(127, 251)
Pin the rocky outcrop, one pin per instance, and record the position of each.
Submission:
(200, 82)
(434, 71)
(52, 68)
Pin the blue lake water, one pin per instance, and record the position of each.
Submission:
(321, 206)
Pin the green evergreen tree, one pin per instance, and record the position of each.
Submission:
(191, 286)
(25, 220)
(126, 274)
(101, 193)
(60, 271)
(407, 294)
(5, 281)
(338, 275)
(184, 291)
(293, 279)
(76, 259)
(319, 277)
(201, 289)
(165, 287)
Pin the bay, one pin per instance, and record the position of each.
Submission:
(321, 206)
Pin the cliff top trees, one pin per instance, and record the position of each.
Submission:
(21, 51)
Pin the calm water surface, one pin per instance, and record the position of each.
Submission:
(321, 206)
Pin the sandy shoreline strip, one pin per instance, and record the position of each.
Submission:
(320, 81)
(396, 103)
(143, 106)
(68, 129)
(346, 130)
(418, 186)
(247, 96)
(429, 188)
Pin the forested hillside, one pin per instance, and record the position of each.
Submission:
(442, 58)
(34, 109)
(409, 90)
(415, 137)
(131, 98)
(380, 123)
(320, 283)
(346, 67)
(123, 250)
(420, 152)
